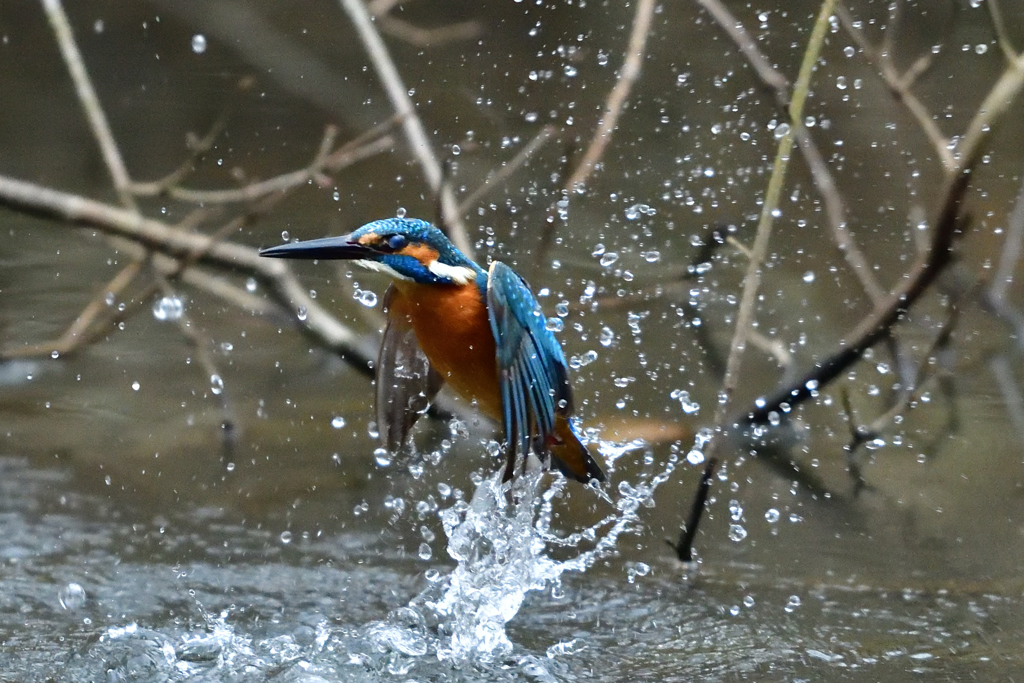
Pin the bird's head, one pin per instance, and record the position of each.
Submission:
(404, 248)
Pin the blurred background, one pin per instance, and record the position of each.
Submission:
(204, 470)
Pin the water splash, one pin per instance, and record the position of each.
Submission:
(500, 540)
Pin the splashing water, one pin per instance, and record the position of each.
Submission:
(500, 540)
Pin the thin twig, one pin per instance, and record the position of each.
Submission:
(927, 266)
(684, 547)
(863, 433)
(629, 73)
(1005, 44)
(1002, 371)
(496, 178)
(752, 279)
(835, 207)
(281, 282)
(994, 298)
(90, 101)
(428, 37)
(324, 160)
(196, 148)
(900, 85)
(416, 135)
(78, 331)
(415, 35)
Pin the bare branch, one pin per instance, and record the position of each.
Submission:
(628, 75)
(928, 265)
(416, 135)
(196, 147)
(428, 37)
(994, 298)
(496, 178)
(1005, 44)
(90, 101)
(771, 76)
(752, 279)
(900, 85)
(828, 189)
(153, 234)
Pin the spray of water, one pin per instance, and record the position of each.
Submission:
(500, 540)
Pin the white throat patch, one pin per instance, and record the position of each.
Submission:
(458, 274)
(383, 268)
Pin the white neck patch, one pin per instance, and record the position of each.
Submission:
(458, 274)
(383, 268)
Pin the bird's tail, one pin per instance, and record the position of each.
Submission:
(570, 456)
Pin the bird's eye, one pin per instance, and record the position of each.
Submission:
(397, 242)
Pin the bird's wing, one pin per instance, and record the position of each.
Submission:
(531, 366)
(406, 383)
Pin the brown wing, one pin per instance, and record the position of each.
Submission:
(406, 383)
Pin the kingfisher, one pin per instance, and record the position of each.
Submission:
(480, 331)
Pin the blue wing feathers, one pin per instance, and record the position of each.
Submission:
(531, 366)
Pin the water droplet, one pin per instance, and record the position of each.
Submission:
(748, 601)
(301, 313)
(250, 285)
(554, 325)
(199, 43)
(286, 537)
(606, 337)
(226, 347)
(98, 26)
(365, 297)
(456, 150)
(216, 384)
(382, 456)
(737, 533)
(771, 515)
(72, 596)
(652, 256)
(609, 258)
(55, 354)
(337, 422)
(981, 48)
(425, 552)
(285, 236)
(792, 603)
(136, 386)
(569, 70)
(781, 131)
(841, 82)
(849, 50)
(809, 276)
(400, 212)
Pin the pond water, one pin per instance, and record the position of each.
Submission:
(140, 540)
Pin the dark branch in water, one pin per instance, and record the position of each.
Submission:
(684, 546)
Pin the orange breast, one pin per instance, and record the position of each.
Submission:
(450, 322)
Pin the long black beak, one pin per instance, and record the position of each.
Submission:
(324, 248)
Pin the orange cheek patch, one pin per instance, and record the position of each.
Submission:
(369, 239)
(422, 253)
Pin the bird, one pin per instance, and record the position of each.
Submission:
(482, 332)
